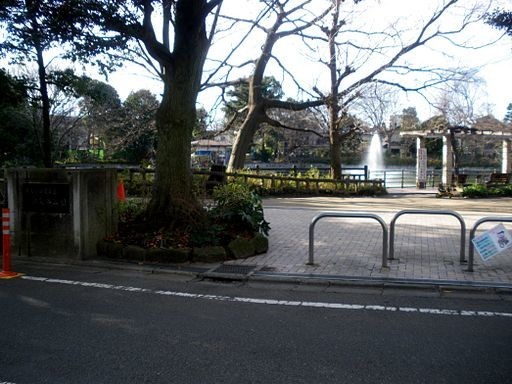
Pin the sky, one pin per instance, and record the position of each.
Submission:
(493, 63)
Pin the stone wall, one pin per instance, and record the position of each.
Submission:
(61, 213)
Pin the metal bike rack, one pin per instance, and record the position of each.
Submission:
(428, 212)
(351, 215)
(472, 235)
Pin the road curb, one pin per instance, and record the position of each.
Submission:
(208, 272)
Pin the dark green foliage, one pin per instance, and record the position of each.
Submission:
(480, 190)
(211, 234)
(501, 19)
(508, 115)
(238, 213)
(32, 27)
(239, 94)
(130, 210)
(507, 190)
(370, 191)
(18, 144)
(134, 138)
(239, 206)
(476, 190)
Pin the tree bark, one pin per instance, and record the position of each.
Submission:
(45, 100)
(335, 154)
(46, 145)
(333, 102)
(172, 199)
(243, 140)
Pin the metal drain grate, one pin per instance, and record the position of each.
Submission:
(235, 269)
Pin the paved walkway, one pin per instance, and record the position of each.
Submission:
(427, 247)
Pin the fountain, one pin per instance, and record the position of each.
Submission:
(374, 157)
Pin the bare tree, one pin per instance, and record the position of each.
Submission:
(459, 101)
(358, 57)
(377, 105)
(288, 20)
(459, 104)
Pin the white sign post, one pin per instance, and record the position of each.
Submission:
(492, 242)
(421, 168)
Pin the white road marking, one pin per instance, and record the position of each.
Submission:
(311, 304)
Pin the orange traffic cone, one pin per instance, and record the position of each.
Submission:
(120, 191)
(5, 272)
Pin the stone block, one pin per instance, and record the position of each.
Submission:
(61, 212)
(260, 243)
(209, 254)
(134, 253)
(241, 248)
(169, 255)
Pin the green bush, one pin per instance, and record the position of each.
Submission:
(369, 190)
(313, 173)
(507, 190)
(237, 205)
(496, 191)
(479, 190)
(130, 209)
(476, 190)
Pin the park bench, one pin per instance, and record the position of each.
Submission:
(498, 179)
(460, 180)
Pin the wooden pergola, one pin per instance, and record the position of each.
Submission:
(502, 133)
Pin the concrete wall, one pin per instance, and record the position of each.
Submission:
(61, 213)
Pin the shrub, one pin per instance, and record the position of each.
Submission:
(369, 190)
(507, 190)
(130, 209)
(475, 190)
(313, 173)
(236, 205)
(496, 191)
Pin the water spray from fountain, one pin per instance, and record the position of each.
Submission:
(374, 157)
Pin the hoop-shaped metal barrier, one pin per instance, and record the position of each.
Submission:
(428, 212)
(351, 215)
(472, 235)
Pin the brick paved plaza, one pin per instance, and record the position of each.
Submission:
(426, 246)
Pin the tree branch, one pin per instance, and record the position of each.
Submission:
(278, 124)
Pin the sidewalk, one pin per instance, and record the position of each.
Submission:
(427, 247)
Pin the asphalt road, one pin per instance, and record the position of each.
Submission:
(85, 325)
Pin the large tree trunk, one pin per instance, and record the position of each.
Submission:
(335, 155)
(45, 100)
(172, 200)
(46, 145)
(244, 138)
(172, 184)
(333, 102)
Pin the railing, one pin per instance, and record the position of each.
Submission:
(275, 183)
(311, 260)
(428, 212)
(390, 178)
(359, 173)
(406, 178)
(315, 185)
(472, 235)
(391, 233)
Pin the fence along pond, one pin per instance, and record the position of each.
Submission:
(272, 183)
